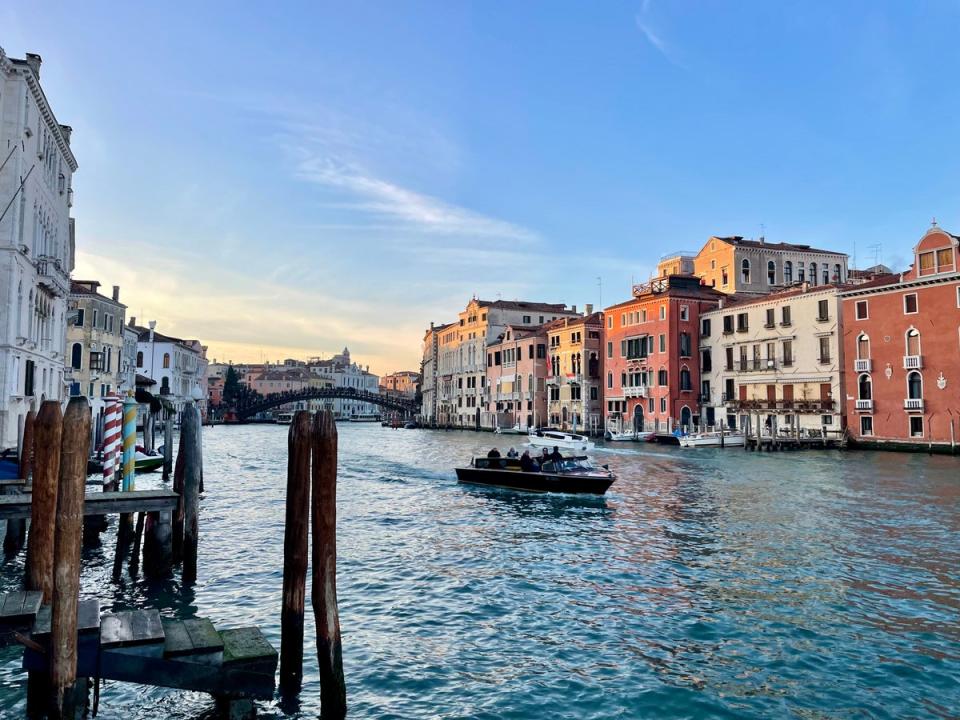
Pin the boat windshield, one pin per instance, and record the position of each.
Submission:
(576, 464)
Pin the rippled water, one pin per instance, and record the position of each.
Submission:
(707, 583)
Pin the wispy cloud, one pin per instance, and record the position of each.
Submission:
(653, 36)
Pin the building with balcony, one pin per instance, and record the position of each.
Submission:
(36, 245)
(778, 357)
(734, 265)
(651, 373)
(574, 373)
(402, 382)
(343, 372)
(902, 340)
(515, 388)
(429, 369)
(177, 366)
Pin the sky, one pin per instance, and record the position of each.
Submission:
(283, 179)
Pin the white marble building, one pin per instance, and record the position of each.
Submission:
(36, 244)
(179, 367)
(347, 374)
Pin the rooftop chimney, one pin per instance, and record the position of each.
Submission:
(573, 308)
(67, 132)
(133, 320)
(116, 293)
(589, 308)
(34, 61)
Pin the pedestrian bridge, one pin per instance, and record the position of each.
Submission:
(266, 402)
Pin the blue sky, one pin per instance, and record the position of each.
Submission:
(288, 180)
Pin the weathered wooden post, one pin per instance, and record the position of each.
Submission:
(295, 549)
(26, 447)
(323, 516)
(190, 430)
(16, 530)
(46, 478)
(167, 444)
(74, 450)
(178, 511)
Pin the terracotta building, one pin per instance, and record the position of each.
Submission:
(515, 386)
(902, 342)
(650, 363)
(574, 380)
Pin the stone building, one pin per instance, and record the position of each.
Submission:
(402, 382)
(36, 244)
(95, 343)
(516, 375)
(734, 265)
(574, 380)
(344, 373)
(177, 366)
(902, 340)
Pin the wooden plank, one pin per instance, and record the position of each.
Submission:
(88, 619)
(98, 503)
(246, 645)
(203, 635)
(12, 603)
(176, 639)
(134, 627)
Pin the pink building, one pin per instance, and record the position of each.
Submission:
(515, 383)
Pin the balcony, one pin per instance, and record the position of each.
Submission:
(52, 276)
(912, 362)
(635, 391)
(863, 365)
(866, 405)
(757, 365)
(913, 404)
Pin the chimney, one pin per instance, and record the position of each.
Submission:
(589, 308)
(133, 320)
(67, 132)
(34, 61)
(722, 302)
(116, 293)
(573, 308)
(806, 285)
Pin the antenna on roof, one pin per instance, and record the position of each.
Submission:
(600, 290)
(876, 247)
(933, 223)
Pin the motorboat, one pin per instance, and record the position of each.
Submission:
(552, 438)
(637, 436)
(144, 463)
(575, 474)
(284, 418)
(714, 438)
(364, 418)
(515, 430)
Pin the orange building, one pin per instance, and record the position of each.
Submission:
(902, 350)
(403, 382)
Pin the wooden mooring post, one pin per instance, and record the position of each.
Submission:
(323, 517)
(74, 451)
(167, 444)
(190, 430)
(46, 478)
(16, 531)
(295, 549)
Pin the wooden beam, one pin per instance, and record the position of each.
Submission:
(19, 506)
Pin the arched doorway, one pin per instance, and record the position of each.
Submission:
(638, 418)
(685, 418)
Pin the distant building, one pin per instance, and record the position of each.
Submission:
(574, 380)
(429, 396)
(734, 265)
(404, 382)
(178, 366)
(681, 262)
(344, 373)
(902, 354)
(516, 378)
(36, 244)
(95, 343)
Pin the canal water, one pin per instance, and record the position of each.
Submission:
(706, 584)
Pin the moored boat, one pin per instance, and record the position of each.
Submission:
(551, 438)
(713, 439)
(569, 475)
(284, 418)
(515, 430)
(640, 436)
(143, 463)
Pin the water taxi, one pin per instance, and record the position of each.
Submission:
(552, 438)
(284, 418)
(635, 436)
(569, 475)
(730, 438)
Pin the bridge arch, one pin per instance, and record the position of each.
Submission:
(265, 402)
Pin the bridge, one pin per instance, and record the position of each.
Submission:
(248, 409)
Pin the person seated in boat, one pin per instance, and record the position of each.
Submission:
(544, 457)
(494, 453)
(526, 462)
(555, 456)
(511, 453)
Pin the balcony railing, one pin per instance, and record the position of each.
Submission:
(786, 405)
(635, 391)
(863, 365)
(51, 275)
(864, 404)
(757, 365)
(912, 362)
(913, 404)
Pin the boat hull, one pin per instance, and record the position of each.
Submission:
(148, 464)
(712, 441)
(550, 442)
(535, 481)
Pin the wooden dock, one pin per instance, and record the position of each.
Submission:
(15, 507)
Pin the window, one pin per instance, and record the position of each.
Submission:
(663, 312)
(813, 273)
(800, 275)
(706, 360)
(916, 426)
(866, 425)
(926, 261)
(727, 324)
(913, 342)
(713, 264)
(787, 272)
(94, 324)
(862, 310)
(663, 405)
(79, 321)
(76, 356)
(824, 350)
(825, 273)
(729, 390)
(526, 319)
(593, 393)
(771, 318)
(705, 323)
(745, 271)
(771, 272)
(785, 316)
(823, 311)
(685, 344)
(729, 364)
(623, 348)
(610, 322)
(837, 273)
(541, 351)
(662, 377)
(944, 259)
(788, 353)
(914, 386)
(684, 312)
(742, 322)
(609, 379)
(685, 379)
(910, 304)
(609, 349)
(166, 360)
(663, 343)
(863, 347)
(724, 280)
(864, 387)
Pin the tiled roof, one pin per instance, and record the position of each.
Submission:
(744, 301)
(523, 305)
(740, 242)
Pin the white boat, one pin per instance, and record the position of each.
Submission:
(712, 439)
(284, 418)
(550, 438)
(515, 430)
(640, 436)
(364, 418)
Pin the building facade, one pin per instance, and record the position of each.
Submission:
(403, 382)
(515, 385)
(36, 245)
(777, 357)
(734, 265)
(650, 363)
(342, 372)
(574, 373)
(177, 366)
(95, 343)
(429, 371)
(902, 340)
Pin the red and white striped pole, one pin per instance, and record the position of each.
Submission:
(112, 423)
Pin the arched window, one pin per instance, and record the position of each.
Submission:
(913, 342)
(771, 272)
(813, 273)
(76, 356)
(530, 383)
(837, 273)
(914, 386)
(787, 272)
(139, 358)
(825, 271)
(166, 360)
(865, 387)
(745, 271)
(685, 379)
(863, 347)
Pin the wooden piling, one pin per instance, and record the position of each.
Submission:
(178, 512)
(190, 430)
(74, 450)
(137, 536)
(295, 549)
(26, 447)
(46, 477)
(333, 692)
(167, 445)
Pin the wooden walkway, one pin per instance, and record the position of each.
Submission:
(13, 507)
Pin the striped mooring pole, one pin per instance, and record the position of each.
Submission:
(129, 440)
(111, 440)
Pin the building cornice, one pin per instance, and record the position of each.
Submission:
(903, 285)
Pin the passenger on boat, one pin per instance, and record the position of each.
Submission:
(544, 456)
(555, 456)
(511, 453)
(526, 462)
(494, 453)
